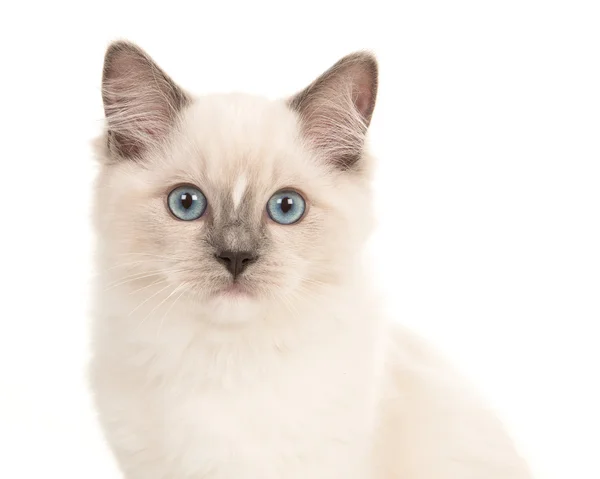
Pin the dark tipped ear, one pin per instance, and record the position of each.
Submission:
(140, 101)
(336, 109)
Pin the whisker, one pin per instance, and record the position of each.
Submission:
(158, 305)
(152, 255)
(148, 286)
(182, 285)
(132, 263)
(144, 274)
(148, 299)
(132, 278)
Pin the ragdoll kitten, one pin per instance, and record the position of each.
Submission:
(235, 334)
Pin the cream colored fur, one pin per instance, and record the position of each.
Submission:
(303, 379)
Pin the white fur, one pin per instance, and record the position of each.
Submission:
(238, 191)
(306, 380)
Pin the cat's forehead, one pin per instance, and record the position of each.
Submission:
(228, 128)
(241, 143)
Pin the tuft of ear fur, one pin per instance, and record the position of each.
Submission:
(141, 102)
(336, 109)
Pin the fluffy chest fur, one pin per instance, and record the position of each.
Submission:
(233, 405)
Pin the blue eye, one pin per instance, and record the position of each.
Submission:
(286, 207)
(187, 203)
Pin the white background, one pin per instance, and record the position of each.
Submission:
(487, 131)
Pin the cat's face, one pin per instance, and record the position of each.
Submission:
(233, 198)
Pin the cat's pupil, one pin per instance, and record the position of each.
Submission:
(286, 204)
(186, 200)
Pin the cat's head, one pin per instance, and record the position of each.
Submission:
(233, 197)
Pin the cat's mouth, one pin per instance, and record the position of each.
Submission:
(235, 289)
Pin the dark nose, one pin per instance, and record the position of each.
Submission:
(236, 261)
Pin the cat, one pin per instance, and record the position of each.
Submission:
(235, 334)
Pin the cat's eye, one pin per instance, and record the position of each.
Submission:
(286, 207)
(187, 203)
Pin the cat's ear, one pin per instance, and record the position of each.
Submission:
(141, 102)
(335, 110)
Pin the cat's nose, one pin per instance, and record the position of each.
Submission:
(236, 261)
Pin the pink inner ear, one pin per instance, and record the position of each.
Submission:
(364, 100)
(363, 95)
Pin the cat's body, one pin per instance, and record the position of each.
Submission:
(282, 367)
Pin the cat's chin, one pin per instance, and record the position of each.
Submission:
(234, 305)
